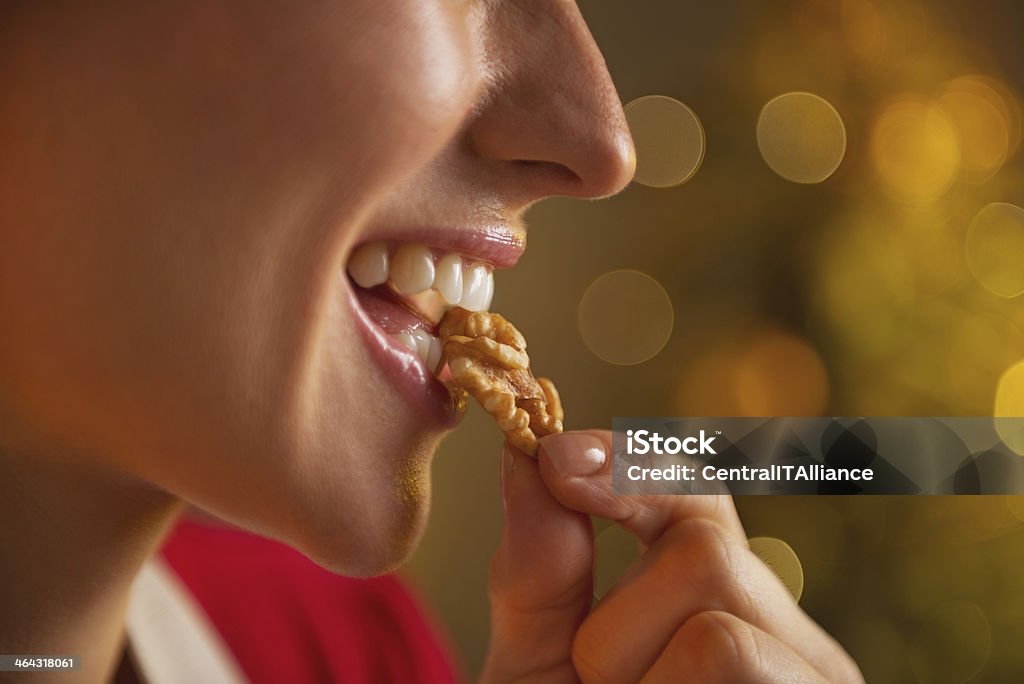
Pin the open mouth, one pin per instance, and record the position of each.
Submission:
(401, 290)
(406, 288)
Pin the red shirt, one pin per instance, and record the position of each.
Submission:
(285, 619)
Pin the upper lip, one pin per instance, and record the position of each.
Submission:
(499, 245)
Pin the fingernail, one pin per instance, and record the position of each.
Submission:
(508, 465)
(574, 455)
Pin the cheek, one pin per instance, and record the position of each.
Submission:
(426, 84)
(439, 77)
(364, 88)
(199, 220)
(198, 238)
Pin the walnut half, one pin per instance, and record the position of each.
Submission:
(487, 358)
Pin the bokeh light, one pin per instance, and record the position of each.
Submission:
(995, 249)
(982, 132)
(755, 371)
(951, 645)
(819, 544)
(1010, 404)
(669, 140)
(782, 560)
(998, 94)
(915, 150)
(801, 137)
(625, 317)
(707, 386)
(781, 375)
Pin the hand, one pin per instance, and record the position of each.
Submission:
(697, 607)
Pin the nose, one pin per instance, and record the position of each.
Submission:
(550, 114)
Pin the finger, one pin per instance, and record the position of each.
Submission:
(540, 580)
(696, 567)
(698, 559)
(577, 469)
(719, 648)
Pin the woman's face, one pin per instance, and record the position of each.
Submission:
(182, 187)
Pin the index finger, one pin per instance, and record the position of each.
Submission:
(577, 469)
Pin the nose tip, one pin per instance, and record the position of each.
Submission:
(611, 163)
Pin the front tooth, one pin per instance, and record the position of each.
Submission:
(434, 357)
(448, 279)
(490, 292)
(369, 264)
(422, 338)
(412, 269)
(474, 287)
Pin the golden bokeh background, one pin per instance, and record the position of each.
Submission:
(873, 266)
(668, 138)
(801, 137)
(625, 317)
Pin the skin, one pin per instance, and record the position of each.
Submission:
(181, 186)
(697, 606)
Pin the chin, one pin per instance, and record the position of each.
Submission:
(368, 548)
(364, 514)
(387, 548)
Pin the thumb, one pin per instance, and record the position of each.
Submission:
(540, 579)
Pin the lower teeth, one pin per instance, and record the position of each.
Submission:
(424, 345)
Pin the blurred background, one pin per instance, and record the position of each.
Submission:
(826, 220)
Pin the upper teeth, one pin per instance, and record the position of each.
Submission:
(413, 269)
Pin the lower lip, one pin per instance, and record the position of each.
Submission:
(415, 383)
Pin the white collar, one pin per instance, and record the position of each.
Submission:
(171, 638)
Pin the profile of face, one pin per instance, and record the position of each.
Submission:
(183, 186)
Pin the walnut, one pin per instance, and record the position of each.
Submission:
(487, 357)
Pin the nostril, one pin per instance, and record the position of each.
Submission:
(552, 172)
(599, 171)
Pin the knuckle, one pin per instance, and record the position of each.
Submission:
(723, 641)
(705, 539)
